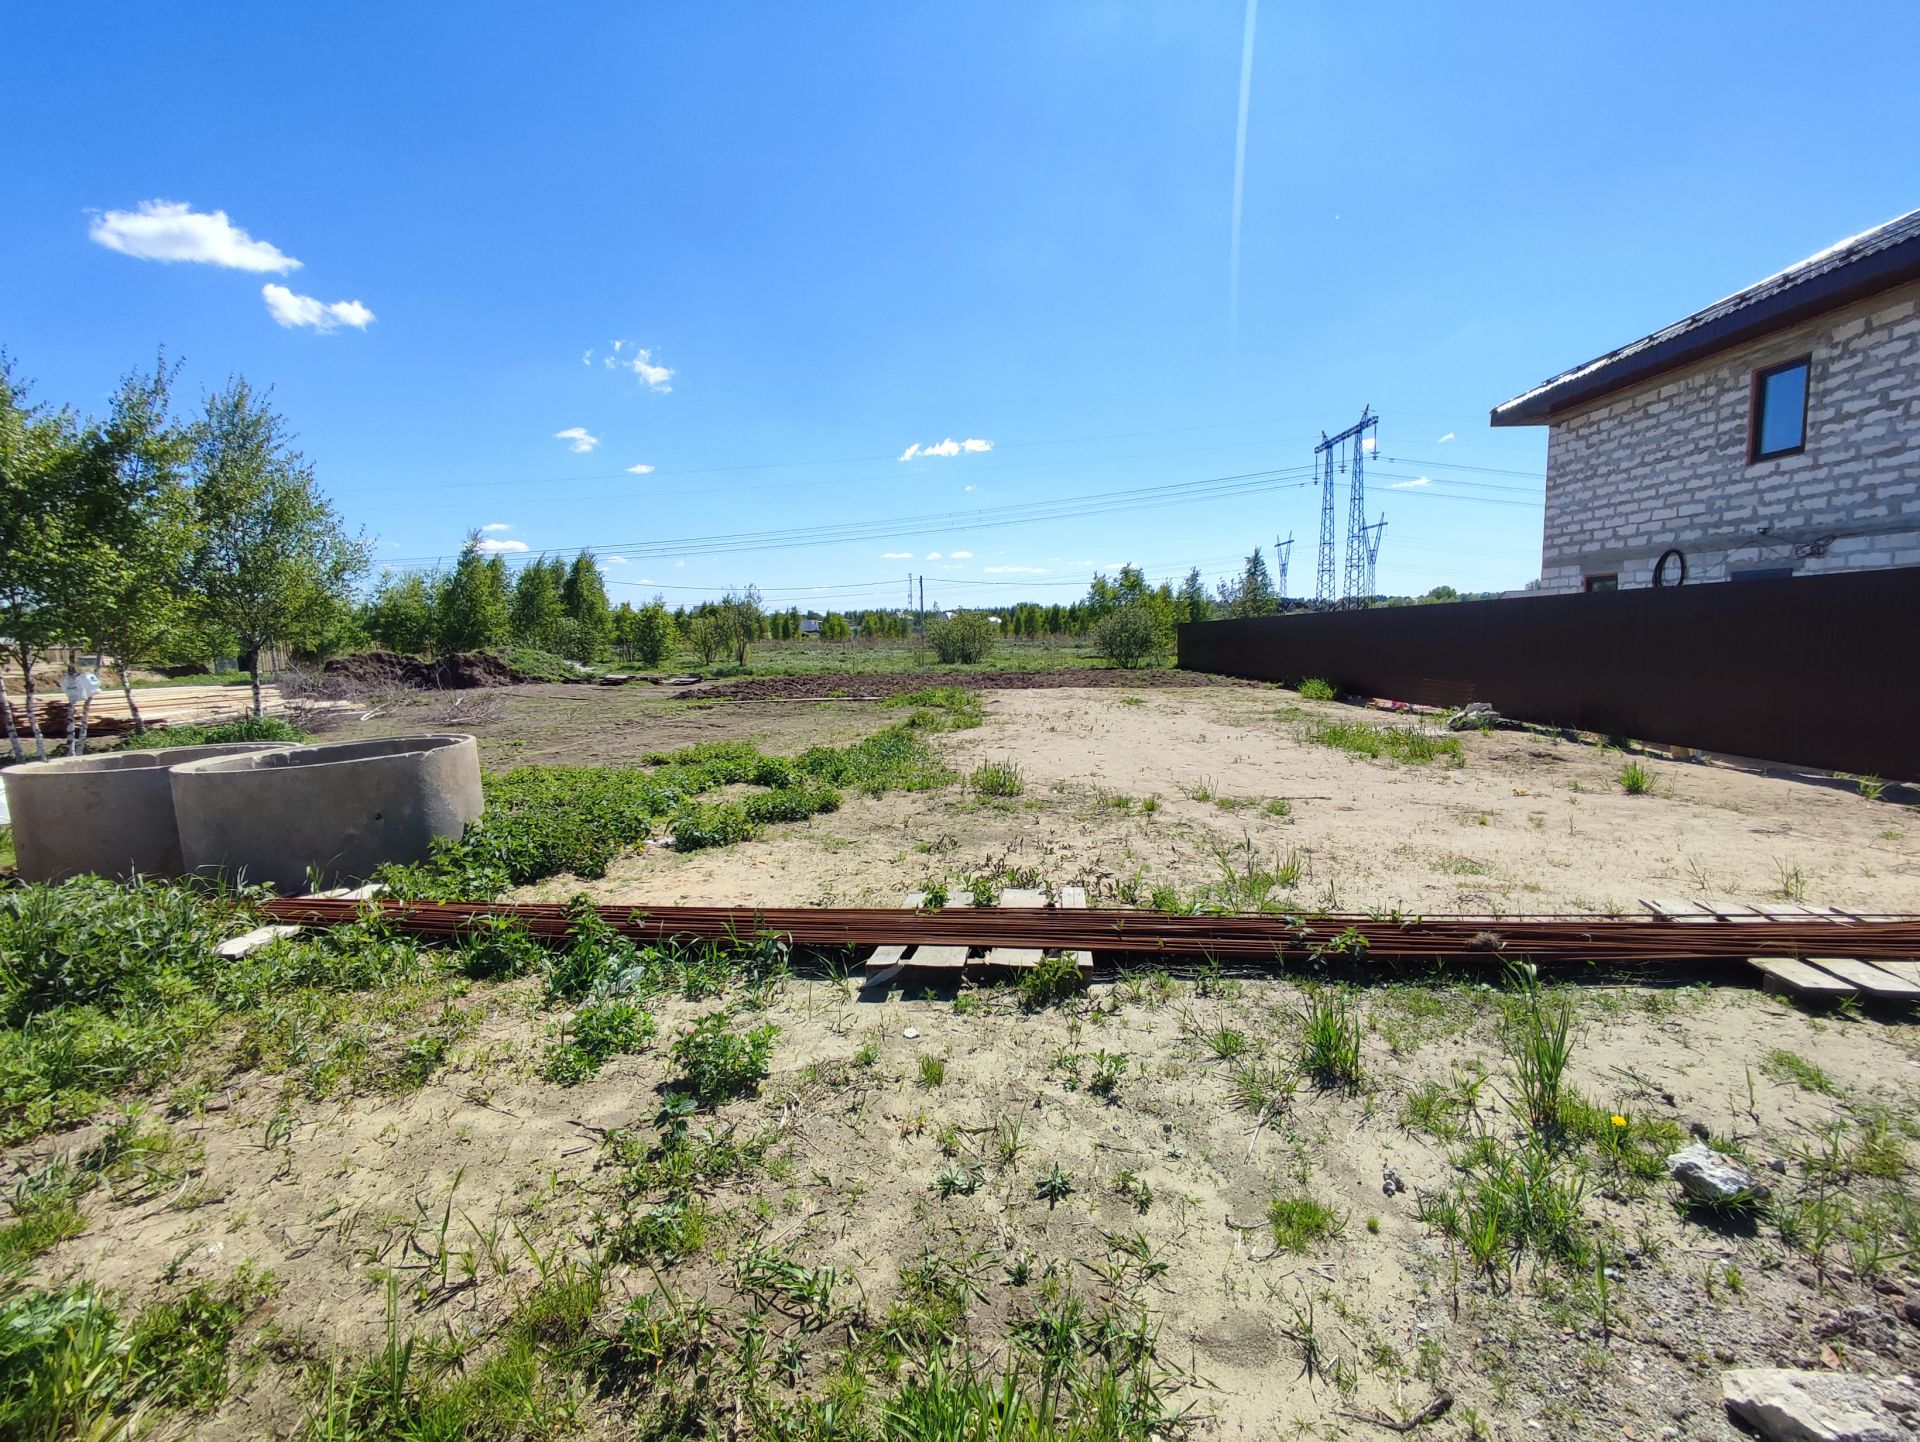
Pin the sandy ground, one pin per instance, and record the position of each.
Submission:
(357, 1187)
(1525, 825)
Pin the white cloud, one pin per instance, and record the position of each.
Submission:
(291, 309)
(640, 362)
(639, 470)
(972, 446)
(577, 439)
(1444, 439)
(896, 555)
(496, 526)
(966, 488)
(492, 547)
(679, 565)
(961, 555)
(1369, 445)
(1016, 570)
(586, 357)
(1409, 485)
(933, 555)
(613, 560)
(168, 230)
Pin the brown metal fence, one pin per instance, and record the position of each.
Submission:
(1819, 671)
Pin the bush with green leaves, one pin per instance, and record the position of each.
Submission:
(719, 1062)
(224, 733)
(1315, 689)
(965, 638)
(1131, 636)
(598, 1033)
(1048, 982)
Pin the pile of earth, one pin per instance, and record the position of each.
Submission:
(456, 671)
(866, 687)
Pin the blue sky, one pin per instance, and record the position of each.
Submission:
(827, 234)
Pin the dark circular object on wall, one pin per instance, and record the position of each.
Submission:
(1674, 555)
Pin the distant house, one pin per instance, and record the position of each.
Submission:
(1774, 433)
(810, 628)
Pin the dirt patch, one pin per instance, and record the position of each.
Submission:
(456, 671)
(866, 684)
(1126, 793)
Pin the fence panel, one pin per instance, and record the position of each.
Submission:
(1812, 670)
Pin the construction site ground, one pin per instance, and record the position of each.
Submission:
(1126, 789)
(1155, 1152)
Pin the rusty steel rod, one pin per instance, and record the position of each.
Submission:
(1608, 939)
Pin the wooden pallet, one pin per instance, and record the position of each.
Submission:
(1827, 977)
(928, 963)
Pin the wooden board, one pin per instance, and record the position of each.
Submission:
(888, 962)
(1867, 977)
(236, 947)
(1785, 973)
(1691, 911)
(1016, 956)
(1905, 970)
(1732, 911)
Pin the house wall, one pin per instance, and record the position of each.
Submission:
(1666, 465)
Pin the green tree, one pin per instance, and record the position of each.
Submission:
(37, 445)
(272, 563)
(742, 621)
(1194, 603)
(1129, 635)
(403, 613)
(835, 628)
(654, 634)
(470, 613)
(583, 595)
(1257, 595)
(537, 606)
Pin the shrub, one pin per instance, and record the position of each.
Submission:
(1635, 779)
(226, 733)
(997, 778)
(1330, 1041)
(699, 827)
(1315, 689)
(1048, 982)
(1130, 636)
(964, 639)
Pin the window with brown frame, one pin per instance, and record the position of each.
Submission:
(1778, 420)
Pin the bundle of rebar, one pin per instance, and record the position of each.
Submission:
(1608, 940)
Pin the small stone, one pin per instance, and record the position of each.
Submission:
(1710, 1176)
(912, 1033)
(1778, 1165)
(1912, 1310)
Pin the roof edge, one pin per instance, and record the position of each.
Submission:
(1829, 290)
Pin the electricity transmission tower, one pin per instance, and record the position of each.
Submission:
(1374, 532)
(1282, 553)
(1356, 570)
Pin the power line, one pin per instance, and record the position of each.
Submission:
(901, 527)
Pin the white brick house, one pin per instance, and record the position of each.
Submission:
(1776, 432)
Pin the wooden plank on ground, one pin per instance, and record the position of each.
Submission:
(1019, 899)
(1074, 898)
(1792, 911)
(1733, 911)
(1785, 973)
(940, 958)
(1693, 911)
(1868, 978)
(1905, 970)
(235, 947)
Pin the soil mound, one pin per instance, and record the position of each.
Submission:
(870, 685)
(456, 671)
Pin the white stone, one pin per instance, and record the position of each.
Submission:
(1787, 1406)
(1711, 1176)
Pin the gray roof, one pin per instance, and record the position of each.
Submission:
(1888, 255)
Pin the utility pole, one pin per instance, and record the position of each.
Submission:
(1374, 532)
(920, 653)
(1282, 553)
(1356, 568)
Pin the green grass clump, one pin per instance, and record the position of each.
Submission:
(718, 1063)
(1330, 1041)
(997, 778)
(1790, 1066)
(940, 708)
(1634, 779)
(1301, 1222)
(719, 824)
(1378, 742)
(1315, 689)
(1048, 982)
(598, 1033)
(225, 733)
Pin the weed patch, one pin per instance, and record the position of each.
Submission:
(1381, 742)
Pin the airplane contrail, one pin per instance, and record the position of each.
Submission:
(1240, 168)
